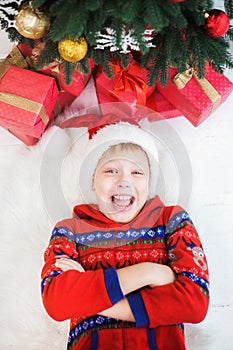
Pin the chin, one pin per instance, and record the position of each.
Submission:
(123, 218)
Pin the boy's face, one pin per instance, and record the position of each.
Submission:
(121, 184)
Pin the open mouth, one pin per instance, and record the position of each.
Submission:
(122, 201)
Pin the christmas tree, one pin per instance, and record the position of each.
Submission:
(159, 34)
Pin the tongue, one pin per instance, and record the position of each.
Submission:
(121, 202)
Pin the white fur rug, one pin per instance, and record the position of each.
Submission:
(38, 188)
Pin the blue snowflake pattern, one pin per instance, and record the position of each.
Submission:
(200, 281)
(89, 323)
(46, 279)
(98, 236)
(176, 220)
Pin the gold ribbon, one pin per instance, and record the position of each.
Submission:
(4, 66)
(24, 103)
(181, 79)
(16, 59)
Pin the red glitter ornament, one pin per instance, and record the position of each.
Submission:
(176, 0)
(217, 23)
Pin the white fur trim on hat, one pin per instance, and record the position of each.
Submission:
(110, 135)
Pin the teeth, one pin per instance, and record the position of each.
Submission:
(122, 201)
(122, 198)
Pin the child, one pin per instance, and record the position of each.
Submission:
(126, 269)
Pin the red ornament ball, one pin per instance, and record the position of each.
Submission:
(176, 0)
(217, 23)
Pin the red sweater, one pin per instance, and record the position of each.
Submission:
(159, 234)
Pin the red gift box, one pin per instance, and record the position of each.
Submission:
(160, 104)
(196, 98)
(18, 59)
(128, 85)
(78, 82)
(64, 99)
(27, 101)
(28, 140)
(79, 79)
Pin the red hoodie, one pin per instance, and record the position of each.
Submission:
(158, 234)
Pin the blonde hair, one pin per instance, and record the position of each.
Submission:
(122, 147)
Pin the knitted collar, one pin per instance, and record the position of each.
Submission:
(89, 213)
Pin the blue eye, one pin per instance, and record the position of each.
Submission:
(138, 172)
(110, 171)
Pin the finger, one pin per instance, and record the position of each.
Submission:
(73, 263)
(64, 267)
(69, 264)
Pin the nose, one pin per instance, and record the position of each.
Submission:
(123, 184)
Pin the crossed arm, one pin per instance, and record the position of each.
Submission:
(131, 278)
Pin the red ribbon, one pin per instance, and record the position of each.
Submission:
(95, 122)
(129, 81)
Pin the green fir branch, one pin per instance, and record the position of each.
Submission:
(230, 33)
(48, 55)
(39, 3)
(229, 8)
(68, 70)
(180, 37)
(155, 16)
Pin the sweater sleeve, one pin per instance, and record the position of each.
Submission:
(72, 293)
(187, 299)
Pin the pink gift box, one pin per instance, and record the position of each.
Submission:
(195, 104)
(27, 101)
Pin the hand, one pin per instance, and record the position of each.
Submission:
(65, 264)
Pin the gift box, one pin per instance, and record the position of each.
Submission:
(128, 85)
(64, 99)
(78, 82)
(16, 58)
(28, 140)
(158, 103)
(196, 98)
(79, 79)
(28, 101)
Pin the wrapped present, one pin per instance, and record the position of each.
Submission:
(79, 79)
(196, 98)
(28, 140)
(65, 99)
(21, 56)
(128, 85)
(158, 103)
(28, 100)
(16, 58)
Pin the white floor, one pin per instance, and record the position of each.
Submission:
(205, 166)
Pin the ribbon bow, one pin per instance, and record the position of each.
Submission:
(129, 81)
(181, 79)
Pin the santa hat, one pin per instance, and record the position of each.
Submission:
(105, 136)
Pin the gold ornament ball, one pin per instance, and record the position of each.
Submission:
(32, 23)
(73, 50)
